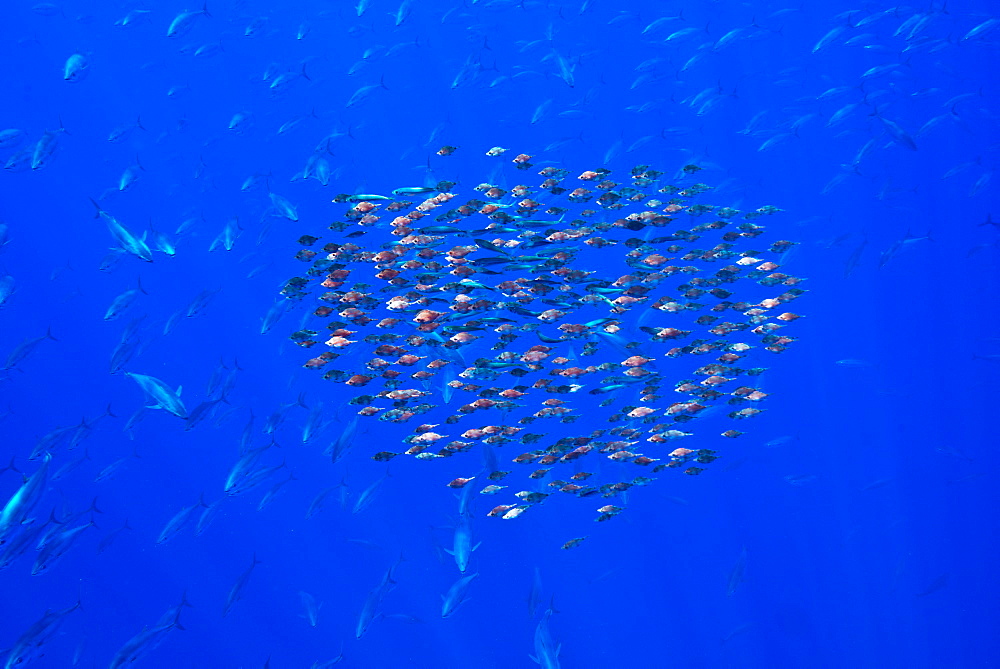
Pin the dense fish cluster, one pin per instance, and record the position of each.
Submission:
(509, 315)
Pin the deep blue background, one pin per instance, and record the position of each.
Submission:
(863, 497)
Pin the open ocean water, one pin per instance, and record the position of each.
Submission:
(188, 436)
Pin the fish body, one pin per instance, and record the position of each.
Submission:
(23, 502)
(179, 520)
(11, 137)
(546, 649)
(243, 466)
(207, 516)
(149, 638)
(126, 239)
(123, 302)
(311, 607)
(271, 494)
(736, 575)
(184, 21)
(284, 208)
(58, 546)
(22, 350)
(462, 546)
(252, 479)
(164, 398)
(29, 645)
(371, 609)
(45, 148)
(76, 68)
(456, 595)
(7, 288)
(132, 17)
(237, 590)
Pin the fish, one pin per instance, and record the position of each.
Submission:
(134, 420)
(283, 207)
(270, 495)
(243, 466)
(76, 68)
(473, 307)
(161, 394)
(116, 466)
(462, 547)
(132, 17)
(371, 609)
(183, 22)
(236, 592)
(456, 595)
(897, 133)
(311, 607)
(546, 649)
(827, 39)
(17, 509)
(30, 645)
(368, 495)
(316, 505)
(855, 259)
(7, 288)
(150, 638)
(109, 538)
(226, 239)
(23, 350)
(982, 29)
(207, 516)
(179, 520)
(737, 573)
(364, 93)
(127, 240)
(58, 546)
(11, 137)
(46, 147)
(123, 301)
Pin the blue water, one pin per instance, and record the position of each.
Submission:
(851, 526)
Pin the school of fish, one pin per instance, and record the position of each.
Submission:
(486, 315)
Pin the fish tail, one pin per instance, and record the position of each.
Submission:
(93, 507)
(99, 210)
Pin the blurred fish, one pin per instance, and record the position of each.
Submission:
(737, 573)
(184, 21)
(462, 548)
(30, 645)
(271, 494)
(110, 537)
(24, 500)
(456, 595)
(124, 301)
(46, 147)
(546, 649)
(207, 516)
(179, 520)
(76, 68)
(371, 609)
(23, 350)
(7, 288)
(311, 607)
(236, 592)
(150, 637)
(58, 546)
